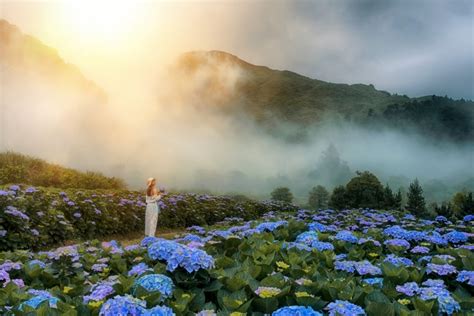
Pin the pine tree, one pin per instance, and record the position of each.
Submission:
(389, 199)
(398, 200)
(338, 199)
(416, 202)
(318, 197)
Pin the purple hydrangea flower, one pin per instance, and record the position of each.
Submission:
(139, 269)
(99, 292)
(409, 288)
(440, 269)
(420, 249)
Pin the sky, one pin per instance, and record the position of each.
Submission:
(413, 47)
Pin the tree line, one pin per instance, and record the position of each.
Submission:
(366, 191)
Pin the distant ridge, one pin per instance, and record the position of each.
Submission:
(272, 96)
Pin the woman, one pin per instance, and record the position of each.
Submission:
(152, 208)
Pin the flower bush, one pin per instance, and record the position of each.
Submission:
(275, 265)
(37, 217)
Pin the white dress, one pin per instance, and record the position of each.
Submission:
(151, 215)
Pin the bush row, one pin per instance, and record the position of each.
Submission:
(34, 217)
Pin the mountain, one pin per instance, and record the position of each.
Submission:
(272, 97)
(27, 56)
(47, 105)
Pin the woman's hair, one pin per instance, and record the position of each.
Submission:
(149, 186)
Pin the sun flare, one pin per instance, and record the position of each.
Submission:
(103, 20)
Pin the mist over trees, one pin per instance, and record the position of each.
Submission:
(282, 194)
(331, 170)
(318, 197)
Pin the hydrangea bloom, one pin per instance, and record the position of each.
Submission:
(398, 261)
(464, 276)
(434, 283)
(344, 308)
(139, 269)
(322, 246)
(468, 218)
(447, 304)
(420, 249)
(270, 226)
(99, 292)
(409, 288)
(307, 238)
(191, 259)
(346, 235)
(207, 312)
(36, 262)
(374, 281)
(347, 266)
(365, 267)
(155, 283)
(123, 305)
(397, 243)
(440, 269)
(296, 311)
(159, 311)
(455, 237)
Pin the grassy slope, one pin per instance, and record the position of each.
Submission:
(17, 168)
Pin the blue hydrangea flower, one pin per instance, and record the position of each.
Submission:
(374, 281)
(448, 305)
(346, 235)
(420, 249)
(397, 243)
(466, 276)
(123, 305)
(296, 311)
(440, 269)
(409, 288)
(365, 267)
(36, 262)
(270, 226)
(434, 283)
(289, 245)
(468, 218)
(322, 246)
(38, 299)
(139, 269)
(398, 261)
(318, 227)
(190, 259)
(149, 240)
(307, 238)
(155, 283)
(159, 311)
(99, 292)
(347, 266)
(455, 237)
(441, 218)
(344, 308)
(162, 249)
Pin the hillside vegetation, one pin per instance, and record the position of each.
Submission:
(18, 168)
(272, 96)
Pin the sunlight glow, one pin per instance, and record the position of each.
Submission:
(102, 20)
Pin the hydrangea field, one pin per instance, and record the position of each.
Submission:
(34, 217)
(353, 262)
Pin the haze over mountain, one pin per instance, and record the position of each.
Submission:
(275, 97)
(217, 122)
(45, 101)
